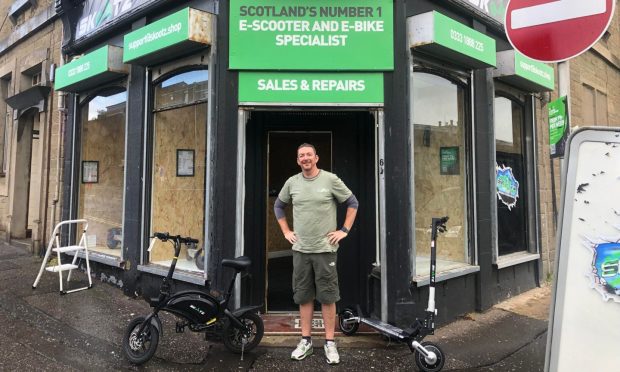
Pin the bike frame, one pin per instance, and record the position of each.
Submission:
(165, 298)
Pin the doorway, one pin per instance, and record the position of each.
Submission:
(27, 172)
(345, 144)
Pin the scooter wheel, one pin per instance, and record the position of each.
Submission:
(138, 349)
(234, 338)
(348, 329)
(434, 366)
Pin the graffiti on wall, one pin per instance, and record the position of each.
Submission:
(97, 14)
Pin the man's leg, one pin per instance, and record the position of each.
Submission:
(305, 313)
(304, 348)
(303, 294)
(328, 294)
(329, 320)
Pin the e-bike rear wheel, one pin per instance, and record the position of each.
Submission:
(234, 338)
(423, 364)
(348, 328)
(139, 348)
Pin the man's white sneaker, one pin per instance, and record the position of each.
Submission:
(331, 353)
(304, 349)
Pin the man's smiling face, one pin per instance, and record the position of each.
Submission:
(307, 158)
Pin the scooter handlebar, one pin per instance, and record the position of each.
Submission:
(441, 223)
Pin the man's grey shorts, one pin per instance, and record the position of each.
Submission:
(315, 277)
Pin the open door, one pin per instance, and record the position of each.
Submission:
(345, 145)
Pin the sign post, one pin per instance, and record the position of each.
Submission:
(554, 31)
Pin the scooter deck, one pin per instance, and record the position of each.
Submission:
(384, 327)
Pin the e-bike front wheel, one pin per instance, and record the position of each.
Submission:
(346, 326)
(139, 348)
(250, 335)
(430, 365)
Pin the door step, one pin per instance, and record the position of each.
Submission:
(290, 324)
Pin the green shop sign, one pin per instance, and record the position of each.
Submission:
(535, 71)
(101, 65)
(311, 88)
(311, 35)
(177, 33)
(523, 72)
(558, 126)
(444, 37)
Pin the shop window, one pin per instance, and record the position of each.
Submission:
(510, 176)
(439, 125)
(102, 171)
(181, 90)
(178, 166)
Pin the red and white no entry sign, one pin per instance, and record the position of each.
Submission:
(556, 30)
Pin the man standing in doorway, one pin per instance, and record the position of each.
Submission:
(315, 237)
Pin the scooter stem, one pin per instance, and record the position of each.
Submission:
(431, 286)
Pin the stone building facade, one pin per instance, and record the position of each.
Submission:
(41, 124)
(594, 101)
(30, 165)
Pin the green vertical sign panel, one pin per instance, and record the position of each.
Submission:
(535, 71)
(558, 126)
(465, 40)
(311, 87)
(311, 35)
(88, 66)
(158, 35)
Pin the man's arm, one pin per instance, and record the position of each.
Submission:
(278, 209)
(336, 236)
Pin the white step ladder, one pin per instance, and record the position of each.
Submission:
(54, 246)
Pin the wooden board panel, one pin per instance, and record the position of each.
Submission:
(178, 202)
(438, 194)
(101, 203)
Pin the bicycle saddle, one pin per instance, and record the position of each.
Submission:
(240, 263)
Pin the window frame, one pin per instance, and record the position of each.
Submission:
(464, 80)
(81, 102)
(154, 76)
(528, 103)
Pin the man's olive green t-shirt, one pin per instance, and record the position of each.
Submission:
(314, 209)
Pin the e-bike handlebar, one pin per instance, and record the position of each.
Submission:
(164, 236)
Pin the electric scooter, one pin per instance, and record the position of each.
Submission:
(428, 356)
(241, 329)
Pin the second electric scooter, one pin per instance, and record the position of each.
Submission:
(428, 356)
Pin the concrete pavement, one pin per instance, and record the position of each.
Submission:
(82, 331)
